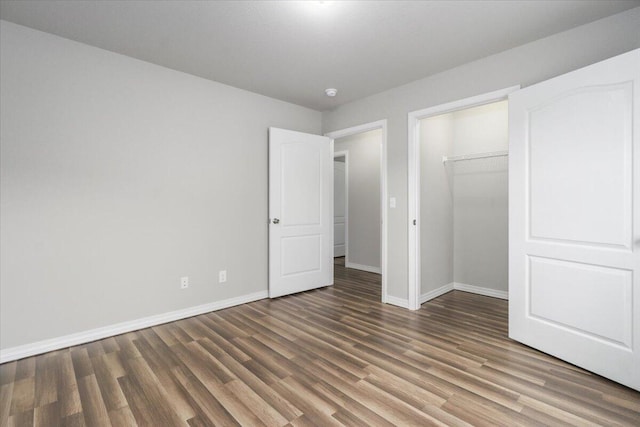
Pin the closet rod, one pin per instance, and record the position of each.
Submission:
(446, 159)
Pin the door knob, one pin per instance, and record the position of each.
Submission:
(276, 221)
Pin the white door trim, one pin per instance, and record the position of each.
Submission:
(345, 154)
(380, 124)
(414, 176)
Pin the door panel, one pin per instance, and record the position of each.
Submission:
(301, 185)
(600, 298)
(301, 254)
(301, 212)
(574, 226)
(564, 209)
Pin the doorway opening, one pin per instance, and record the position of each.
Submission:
(340, 203)
(359, 199)
(458, 205)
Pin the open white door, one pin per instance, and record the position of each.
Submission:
(574, 217)
(300, 212)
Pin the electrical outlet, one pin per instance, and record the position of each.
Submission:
(184, 282)
(222, 276)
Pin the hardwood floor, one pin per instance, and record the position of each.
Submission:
(333, 356)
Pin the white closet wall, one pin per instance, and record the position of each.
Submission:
(464, 205)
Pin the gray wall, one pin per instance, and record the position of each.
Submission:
(436, 203)
(524, 65)
(464, 205)
(119, 177)
(480, 198)
(363, 245)
(339, 206)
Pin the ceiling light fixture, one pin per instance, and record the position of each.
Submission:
(331, 92)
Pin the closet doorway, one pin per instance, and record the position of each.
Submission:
(458, 198)
(363, 152)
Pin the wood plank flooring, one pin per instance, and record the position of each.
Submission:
(328, 357)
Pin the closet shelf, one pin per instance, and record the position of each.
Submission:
(446, 159)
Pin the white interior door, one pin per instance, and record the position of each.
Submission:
(574, 217)
(339, 208)
(300, 212)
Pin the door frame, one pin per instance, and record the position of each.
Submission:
(382, 125)
(413, 225)
(344, 154)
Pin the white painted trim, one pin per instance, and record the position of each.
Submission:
(414, 212)
(26, 350)
(428, 296)
(413, 142)
(345, 154)
(354, 130)
(400, 302)
(362, 267)
(488, 292)
(384, 196)
(463, 104)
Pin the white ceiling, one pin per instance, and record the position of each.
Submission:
(295, 50)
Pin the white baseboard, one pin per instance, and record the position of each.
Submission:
(404, 303)
(428, 296)
(362, 267)
(480, 290)
(26, 350)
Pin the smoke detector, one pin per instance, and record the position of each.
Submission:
(331, 92)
